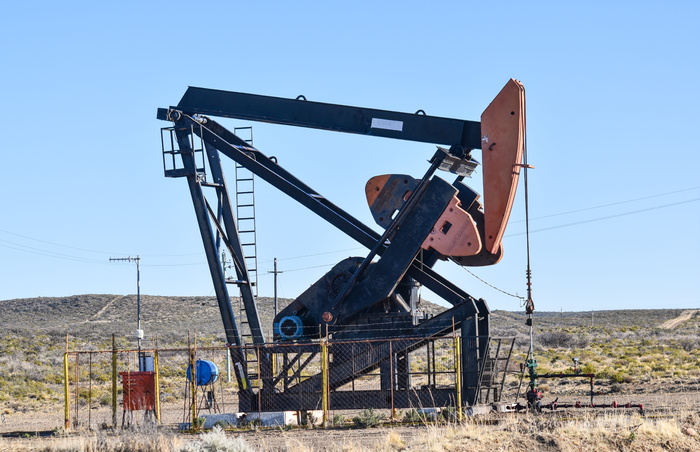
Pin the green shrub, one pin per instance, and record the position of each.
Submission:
(368, 418)
(337, 420)
(413, 416)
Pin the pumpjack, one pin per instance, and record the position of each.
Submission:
(375, 297)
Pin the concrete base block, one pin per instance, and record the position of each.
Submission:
(263, 419)
(479, 409)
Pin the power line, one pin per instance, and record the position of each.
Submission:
(309, 268)
(54, 244)
(591, 220)
(85, 249)
(316, 254)
(610, 204)
(44, 252)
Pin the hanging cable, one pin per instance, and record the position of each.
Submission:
(533, 395)
(529, 303)
(522, 299)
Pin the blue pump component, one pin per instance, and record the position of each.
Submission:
(207, 372)
(289, 328)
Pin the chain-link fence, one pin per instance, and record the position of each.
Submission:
(326, 381)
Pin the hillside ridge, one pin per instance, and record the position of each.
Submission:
(106, 314)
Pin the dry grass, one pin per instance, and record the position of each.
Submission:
(597, 431)
(132, 442)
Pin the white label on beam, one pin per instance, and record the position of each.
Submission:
(387, 124)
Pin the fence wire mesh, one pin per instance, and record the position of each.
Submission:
(328, 380)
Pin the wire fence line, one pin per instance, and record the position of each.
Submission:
(328, 382)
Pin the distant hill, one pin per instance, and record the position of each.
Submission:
(98, 316)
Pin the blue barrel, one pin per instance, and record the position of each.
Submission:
(207, 372)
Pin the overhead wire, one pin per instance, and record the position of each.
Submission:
(617, 203)
(48, 253)
(607, 217)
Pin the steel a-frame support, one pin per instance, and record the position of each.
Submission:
(224, 223)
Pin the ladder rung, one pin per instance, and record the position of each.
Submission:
(247, 192)
(245, 205)
(244, 179)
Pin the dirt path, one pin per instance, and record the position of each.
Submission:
(684, 317)
(96, 317)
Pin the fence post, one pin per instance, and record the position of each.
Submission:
(324, 380)
(89, 391)
(66, 390)
(193, 386)
(76, 395)
(114, 382)
(391, 378)
(228, 363)
(458, 375)
(156, 368)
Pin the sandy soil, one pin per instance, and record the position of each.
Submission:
(52, 417)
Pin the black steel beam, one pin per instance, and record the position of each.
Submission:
(344, 368)
(232, 240)
(339, 118)
(262, 166)
(397, 257)
(209, 242)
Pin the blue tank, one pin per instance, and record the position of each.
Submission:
(207, 372)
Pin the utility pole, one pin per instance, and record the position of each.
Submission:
(139, 331)
(275, 273)
(224, 263)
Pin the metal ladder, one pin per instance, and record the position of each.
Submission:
(494, 368)
(245, 213)
(245, 223)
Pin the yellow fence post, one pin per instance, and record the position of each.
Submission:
(458, 376)
(66, 391)
(324, 380)
(114, 382)
(157, 383)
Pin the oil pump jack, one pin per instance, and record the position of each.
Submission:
(373, 297)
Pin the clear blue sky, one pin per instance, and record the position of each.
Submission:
(612, 97)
